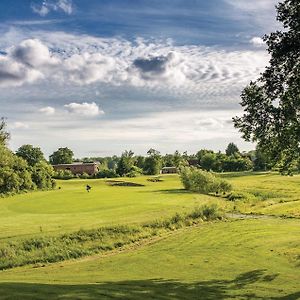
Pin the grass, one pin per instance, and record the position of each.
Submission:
(145, 258)
(87, 242)
(249, 259)
(267, 193)
(71, 208)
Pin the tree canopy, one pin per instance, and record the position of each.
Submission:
(61, 156)
(32, 155)
(272, 103)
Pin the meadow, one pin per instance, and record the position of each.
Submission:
(241, 258)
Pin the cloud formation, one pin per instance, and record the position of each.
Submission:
(86, 60)
(65, 6)
(257, 42)
(48, 110)
(84, 109)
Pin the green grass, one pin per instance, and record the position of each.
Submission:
(250, 259)
(49, 249)
(241, 259)
(71, 208)
(266, 193)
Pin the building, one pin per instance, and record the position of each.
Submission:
(169, 170)
(79, 168)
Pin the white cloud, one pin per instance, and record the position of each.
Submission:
(32, 52)
(66, 59)
(257, 42)
(48, 110)
(13, 73)
(87, 68)
(84, 109)
(65, 6)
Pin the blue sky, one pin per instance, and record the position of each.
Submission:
(108, 75)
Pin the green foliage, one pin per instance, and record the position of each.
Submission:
(153, 163)
(272, 103)
(126, 163)
(135, 171)
(16, 175)
(236, 163)
(208, 161)
(232, 149)
(61, 156)
(32, 155)
(4, 135)
(42, 174)
(203, 182)
(63, 174)
(107, 174)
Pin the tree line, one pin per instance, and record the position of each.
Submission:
(131, 165)
(27, 169)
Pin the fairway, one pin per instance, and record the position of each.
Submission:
(228, 259)
(71, 208)
(250, 259)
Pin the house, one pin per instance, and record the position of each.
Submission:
(169, 170)
(79, 168)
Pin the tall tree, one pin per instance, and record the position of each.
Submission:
(232, 149)
(153, 162)
(61, 156)
(32, 155)
(272, 103)
(126, 163)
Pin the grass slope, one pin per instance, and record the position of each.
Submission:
(249, 259)
(267, 193)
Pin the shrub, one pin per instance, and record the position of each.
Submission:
(107, 174)
(203, 182)
(63, 174)
(84, 176)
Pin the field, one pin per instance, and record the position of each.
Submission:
(241, 258)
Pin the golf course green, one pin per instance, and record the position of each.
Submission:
(245, 257)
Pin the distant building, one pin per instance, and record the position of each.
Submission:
(169, 170)
(79, 168)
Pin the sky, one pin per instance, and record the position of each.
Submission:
(103, 76)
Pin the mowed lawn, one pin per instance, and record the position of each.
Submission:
(243, 259)
(71, 208)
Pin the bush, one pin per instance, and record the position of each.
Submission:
(63, 174)
(203, 182)
(107, 174)
(84, 176)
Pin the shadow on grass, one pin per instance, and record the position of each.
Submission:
(237, 288)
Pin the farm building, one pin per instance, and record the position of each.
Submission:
(79, 168)
(169, 170)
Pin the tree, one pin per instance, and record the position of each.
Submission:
(32, 155)
(61, 156)
(232, 149)
(126, 163)
(272, 103)
(4, 135)
(153, 162)
(208, 161)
